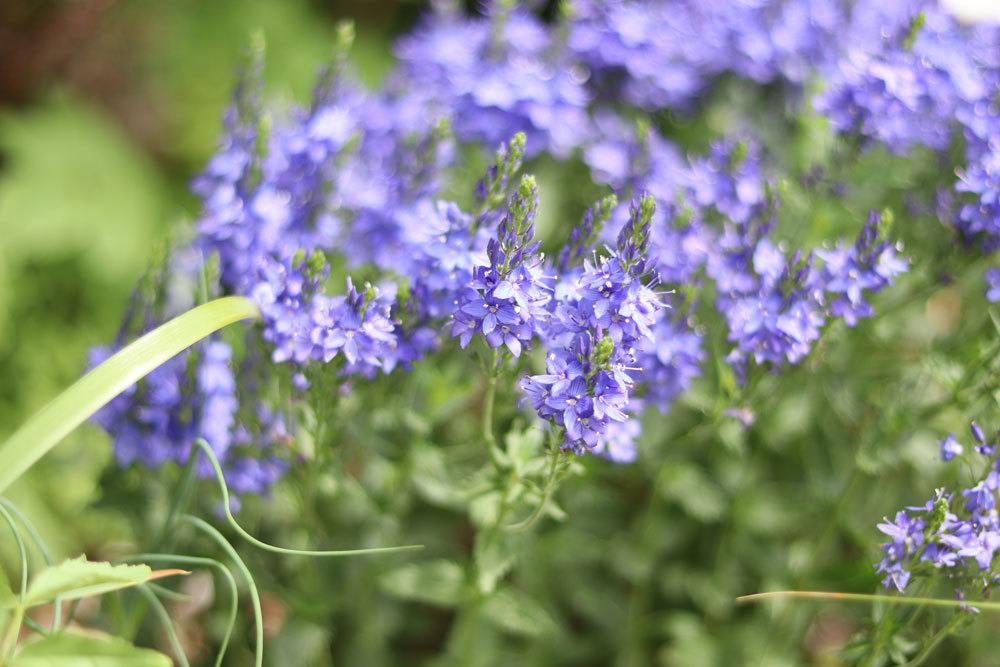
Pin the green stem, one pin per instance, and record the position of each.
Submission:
(551, 481)
(489, 400)
(218, 567)
(180, 501)
(224, 490)
(938, 637)
(985, 605)
(168, 626)
(258, 616)
(43, 549)
(20, 549)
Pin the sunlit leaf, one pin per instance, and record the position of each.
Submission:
(79, 578)
(75, 650)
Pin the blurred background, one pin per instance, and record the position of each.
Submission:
(107, 110)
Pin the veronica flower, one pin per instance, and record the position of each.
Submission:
(958, 538)
(506, 300)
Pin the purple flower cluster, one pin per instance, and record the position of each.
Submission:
(847, 273)
(665, 54)
(357, 177)
(919, 77)
(601, 314)
(303, 324)
(192, 396)
(506, 300)
(499, 76)
(955, 534)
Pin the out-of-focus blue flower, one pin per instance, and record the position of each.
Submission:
(950, 447)
(157, 420)
(499, 76)
(663, 54)
(848, 273)
(993, 285)
(670, 360)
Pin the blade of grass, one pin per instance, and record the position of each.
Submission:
(91, 392)
(865, 597)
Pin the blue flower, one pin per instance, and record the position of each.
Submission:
(506, 300)
(950, 447)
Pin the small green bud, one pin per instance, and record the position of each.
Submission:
(442, 128)
(740, 151)
(298, 258)
(914, 30)
(317, 262)
(527, 186)
(602, 352)
(939, 513)
(403, 292)
(370, 292)
(344, 34)
(515, 149)
(647, 207)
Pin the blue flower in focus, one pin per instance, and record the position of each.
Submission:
(506, 300)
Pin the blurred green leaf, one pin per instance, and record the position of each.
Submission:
(438, 582)
(517, 612)
(495, 553)
(7, 597)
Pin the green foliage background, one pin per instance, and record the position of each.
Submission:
(644, 562)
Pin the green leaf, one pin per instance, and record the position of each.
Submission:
(515, 612)
(7, 597)
(74, 650)
(525, 450)
(436, 582)
(91, 392)
(79, 578)
(494, 554)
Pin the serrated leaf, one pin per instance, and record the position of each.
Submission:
(79, 578)
(75, 650)
(515, 612)
(436, 582)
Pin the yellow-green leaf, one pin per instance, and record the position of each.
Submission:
(75, 650)
(79, 578)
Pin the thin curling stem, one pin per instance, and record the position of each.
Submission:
(224, 490)
(258, 616)
(218, 567)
